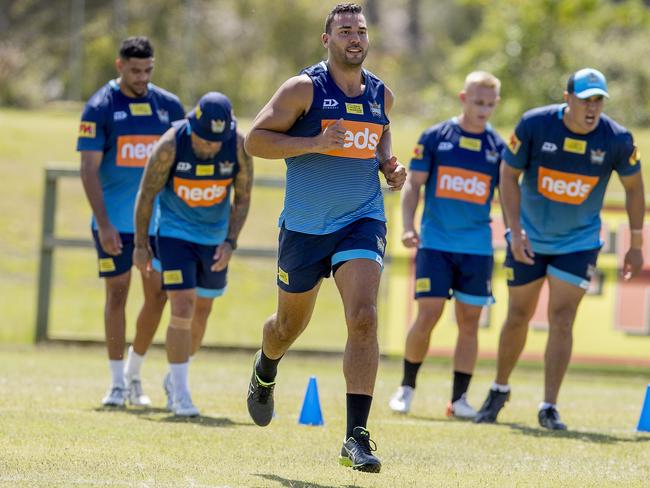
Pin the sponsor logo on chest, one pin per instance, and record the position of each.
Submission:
(201, 193)
(575, 146)
(183, 166)
(375, 109)
(330, 103)
(492, 156)
(360, 140)
(462, 184)
(119, 115)
(133, 151)
(163, 115)
(445, 146)
(354, 108)
(226, 168)
(597, 156)
(469, 143)
(559, 186)
(549, 147)
(140, 109)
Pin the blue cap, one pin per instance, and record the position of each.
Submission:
(587, 82)
(212, 118)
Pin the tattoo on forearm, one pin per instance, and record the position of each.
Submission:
(243, 187)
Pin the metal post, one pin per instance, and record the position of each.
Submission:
(46, 261)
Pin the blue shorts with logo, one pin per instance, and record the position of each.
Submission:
(116, 265)
(186, 265)
(466, 277)
(574, 267)
(304, 259)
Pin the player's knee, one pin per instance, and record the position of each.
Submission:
(116, 296)
(362, 320)
(182, 305)
(518, 316)
(468, 328)
(562, 318)
(286, 328)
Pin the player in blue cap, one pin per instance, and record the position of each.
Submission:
(119, 126)
(564, 155)
(194, 168)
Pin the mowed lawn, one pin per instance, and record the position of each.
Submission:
(53, 433)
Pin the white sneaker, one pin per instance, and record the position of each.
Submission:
(134, 394)
(167, 386)
(400, 402)
(183, 407)
(115, 397)
(461, 409)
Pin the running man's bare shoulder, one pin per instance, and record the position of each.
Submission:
(292, 100)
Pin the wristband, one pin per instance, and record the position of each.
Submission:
(232, 242)
(636, 231)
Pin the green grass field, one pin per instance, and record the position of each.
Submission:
(52, 433)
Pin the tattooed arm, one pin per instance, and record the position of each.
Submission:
(239, 210)
(156, 173)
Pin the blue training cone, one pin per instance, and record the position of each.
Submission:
(311, 413)
(644, 419)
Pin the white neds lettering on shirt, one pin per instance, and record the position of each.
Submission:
(462, 184)
(201, 193)
(133, 151)
(360, 140)
(571, 188)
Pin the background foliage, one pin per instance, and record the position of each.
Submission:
(64, 49)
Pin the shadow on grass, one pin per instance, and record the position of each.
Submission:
(202, 420)
(296, 483)
(427, 418)
(596, 437)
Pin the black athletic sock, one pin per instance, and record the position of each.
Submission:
(358, 410)
(410, 373)
(461, 384)
(267, 368)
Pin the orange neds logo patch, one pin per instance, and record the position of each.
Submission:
(463, 184)
(201, 193)
(133, 151)
(571, 188)
(361, 139)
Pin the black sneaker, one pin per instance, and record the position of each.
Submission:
(356, 452)
(491, 407)
(260, 398)
(549, 418)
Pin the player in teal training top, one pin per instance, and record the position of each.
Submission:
(119, 126)
(457, 161)
(564, 156)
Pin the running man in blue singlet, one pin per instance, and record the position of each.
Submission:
(119, 126)
(565, 155)
(330, 123)
(457, 161)
(194, 167)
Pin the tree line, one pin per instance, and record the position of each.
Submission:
(64, 49)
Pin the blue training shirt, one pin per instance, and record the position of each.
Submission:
(326, 192)
(565, 176)
(125, 130)
(463, 171)
(195, 202)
